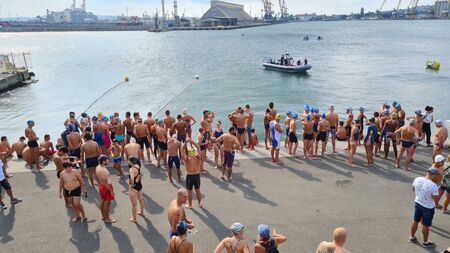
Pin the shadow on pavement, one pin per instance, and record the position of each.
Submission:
(152, 206)
(246, 186)
(7, 224)
(121, 238)
(84, 240)
(152, 236)
(219, 229)
(41, 180)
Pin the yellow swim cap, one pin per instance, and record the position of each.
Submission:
(394, 116)
(278, 116)
(191, 152)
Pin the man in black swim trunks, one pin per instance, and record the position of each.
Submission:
(33, 144)
(192, 160)
(308, 136)
(90, 152)
(71, 185)
(408, 137)
(161, 134)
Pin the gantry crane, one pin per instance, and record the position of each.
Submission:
(395, 13)
(283, 10)
(382, 5)
(412, 6)
(268, 14)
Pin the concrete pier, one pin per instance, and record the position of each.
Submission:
(304, 200)
(13, 80)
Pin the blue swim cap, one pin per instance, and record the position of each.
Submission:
(288, 113)
(306, 107)
(361, 109)
(394, 104)
(295, 116)
(398, 106)
(349, 109)
(30, 122)
(264, 231)
(308, 117)
(313, 109)
(317, 110)
(105, 118)
(324, 116)
(181, 227)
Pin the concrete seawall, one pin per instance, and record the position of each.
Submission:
(11, 81)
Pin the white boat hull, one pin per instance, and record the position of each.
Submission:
(288, 69)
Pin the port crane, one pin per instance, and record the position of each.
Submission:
(395, 13)
(382, 5)
(268, 13)
(412, 6)
(283, 10)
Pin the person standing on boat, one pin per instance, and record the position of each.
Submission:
(306, 61)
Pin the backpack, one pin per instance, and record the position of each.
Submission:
(270, 246)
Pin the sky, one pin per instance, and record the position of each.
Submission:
(32, 8)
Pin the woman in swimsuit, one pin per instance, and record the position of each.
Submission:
(234, 244)
(218, 146)
(179, 243)
(354, 137)
(203, 143)
(135, 191)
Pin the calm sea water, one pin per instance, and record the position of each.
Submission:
(357, 64)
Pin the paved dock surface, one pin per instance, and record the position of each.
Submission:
(304, 200)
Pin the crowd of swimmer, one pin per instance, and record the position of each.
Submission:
(91, 143)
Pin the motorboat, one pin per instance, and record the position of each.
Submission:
(287, 64)
(306, 37)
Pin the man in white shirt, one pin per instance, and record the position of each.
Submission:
(5, 185)
(426, 192)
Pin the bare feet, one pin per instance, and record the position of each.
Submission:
(200, 205)
(109, 220)
(189, 207)
(132, 220)
(141, 213)
(351, 164)
(75, 219)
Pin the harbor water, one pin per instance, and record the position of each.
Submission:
(358, 63)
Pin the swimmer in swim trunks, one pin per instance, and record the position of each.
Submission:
(192, 160)
(71, 185)
(240, 119)
(348, 125)
(174, 149)
(105, 189)
(230, 144)
(142, 138)
(308, 137)
(190, 121)
(90, 151)
(388, 133)
(119, 129)
(323, 128)
(292, 135)
(341, 134)
(116, 153)
(18, 147)
(267, 119)
(129, 127)
(33, 144)
(176, 213)
(161, 134)
(333, 119)
(287, 123)
(408, 137)
(440, 137)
